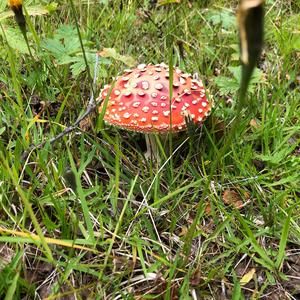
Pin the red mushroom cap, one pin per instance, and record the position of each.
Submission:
(139, 100)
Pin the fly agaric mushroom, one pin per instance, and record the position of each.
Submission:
(140, 100)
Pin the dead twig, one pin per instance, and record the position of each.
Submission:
(90, 108)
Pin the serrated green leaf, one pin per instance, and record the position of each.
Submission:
(65, 31)
(79, 64)
(72, 46)
(66, 48)
(64, 45)
(54, 46)
(67, 59)
(78, 67)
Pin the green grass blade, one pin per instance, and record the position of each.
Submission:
(237, 291)
(82, 197)
(12, 288)
(283, 240)
(117, 174)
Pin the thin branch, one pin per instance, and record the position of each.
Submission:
(90, 108)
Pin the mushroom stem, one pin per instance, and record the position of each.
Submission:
(152, 148)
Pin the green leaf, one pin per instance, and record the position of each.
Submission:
(78, 66)
(83, 201)
(67, 59)
(64, 43)
(66, 49)
(292, 23)
(54, 46)
(37, 10)
(65, 32)
(72, 46)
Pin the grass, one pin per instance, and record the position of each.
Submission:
(90, 218)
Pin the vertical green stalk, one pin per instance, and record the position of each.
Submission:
(117, 174)
(16, 85)
(171, 78)
(251, 39)
(82, 47)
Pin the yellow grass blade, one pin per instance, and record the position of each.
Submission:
(53, 241)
